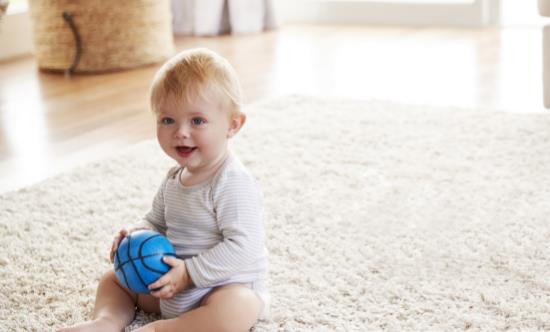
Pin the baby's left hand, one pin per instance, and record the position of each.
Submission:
(173, 282)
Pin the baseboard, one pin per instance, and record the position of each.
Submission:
(450, 13)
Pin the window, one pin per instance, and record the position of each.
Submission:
(17, 6)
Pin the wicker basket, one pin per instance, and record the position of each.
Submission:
(3, 7)
(83, 36)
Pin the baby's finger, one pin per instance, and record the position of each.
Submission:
(163, 293)
(163, 281)
(116, 241)
(170, 260)
(121, 235)
(113, 253)
(114, 247)
(157, 293)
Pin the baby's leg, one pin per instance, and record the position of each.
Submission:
(233, 308)
(115, 306)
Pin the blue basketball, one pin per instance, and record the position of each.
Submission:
(138, 259)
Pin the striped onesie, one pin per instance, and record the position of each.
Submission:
(217, 228)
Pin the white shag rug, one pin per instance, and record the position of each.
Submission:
(380, 216)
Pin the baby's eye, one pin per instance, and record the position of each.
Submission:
(198, 121)
(167, 121)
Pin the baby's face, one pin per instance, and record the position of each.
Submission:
(194, 134)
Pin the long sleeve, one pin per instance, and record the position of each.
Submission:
(237, 202)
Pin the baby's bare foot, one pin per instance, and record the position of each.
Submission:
(93, 326)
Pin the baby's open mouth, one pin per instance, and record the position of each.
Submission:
(185, 151)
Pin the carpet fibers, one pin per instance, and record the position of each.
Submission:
(379, 216)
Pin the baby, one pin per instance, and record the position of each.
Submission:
(209, 207)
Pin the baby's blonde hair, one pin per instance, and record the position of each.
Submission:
(197, 73)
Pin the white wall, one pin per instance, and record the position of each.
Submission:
(453, 13)
(15, 34)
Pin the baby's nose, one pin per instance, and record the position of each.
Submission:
(182, 132)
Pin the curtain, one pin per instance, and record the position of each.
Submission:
(544, 7)
(214, 17)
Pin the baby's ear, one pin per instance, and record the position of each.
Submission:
(237, 122)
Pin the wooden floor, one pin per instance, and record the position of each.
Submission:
(51, 123)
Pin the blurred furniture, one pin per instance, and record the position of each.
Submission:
(3, 7)
(81, 36)
(214, 17)
(544, 7)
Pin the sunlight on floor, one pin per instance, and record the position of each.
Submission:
(25, 129)
(424, 68)
(521, 13)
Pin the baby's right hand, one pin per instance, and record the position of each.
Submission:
(116, 241)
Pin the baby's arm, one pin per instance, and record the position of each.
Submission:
(239, 210)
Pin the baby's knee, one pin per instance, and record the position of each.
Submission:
(109, 276)
(109, 281)
(236, 307)
(231, 293)
(244, 295)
